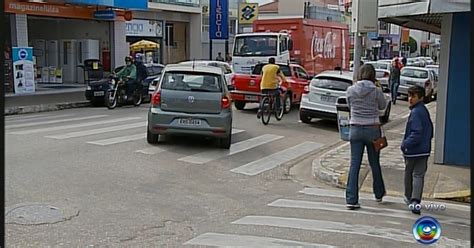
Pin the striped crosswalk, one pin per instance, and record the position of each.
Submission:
(393, 225)
(106, 131)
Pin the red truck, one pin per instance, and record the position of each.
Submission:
(317, 45)
(247, 86)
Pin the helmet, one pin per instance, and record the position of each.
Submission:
(128, 59)
(138, 57)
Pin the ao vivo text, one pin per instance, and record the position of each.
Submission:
(427, 206)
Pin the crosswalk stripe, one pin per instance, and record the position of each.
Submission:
(233, 240)
(334, 227)
(365, 196)
(117, 140)
(236, 131)
(27, 116)
(151, 150)
(277, 159)
(86, 124)
(32, 124)
(97, 131)
(378, 211)
(34, 118)
(204, 157)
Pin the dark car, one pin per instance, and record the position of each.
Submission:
(95, 91)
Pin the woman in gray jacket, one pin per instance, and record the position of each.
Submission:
(365, 100)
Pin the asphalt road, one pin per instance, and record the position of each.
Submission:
(85, 177)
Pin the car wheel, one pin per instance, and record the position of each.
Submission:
(152, 138)
(287, 103)
(386, 116)
(304, 117)
(225, 143)
(239, 105)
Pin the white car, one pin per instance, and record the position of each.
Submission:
(381, 64)
(226, 68)
(320, 96)
(383, 76)
(424, 77)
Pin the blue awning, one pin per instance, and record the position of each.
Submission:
(119, 4)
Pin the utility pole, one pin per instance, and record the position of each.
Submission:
(357, 53)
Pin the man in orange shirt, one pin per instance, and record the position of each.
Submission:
(270, 83)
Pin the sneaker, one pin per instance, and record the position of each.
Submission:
(405, 199)
(379, 199)
(414, 210)
(353, 206)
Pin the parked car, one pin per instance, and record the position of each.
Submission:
(191, 100)
(247, 86)
(428, 61)
(381, 64)
(319, 99)
(95, 90)
(424, 77)
(435, 68)
(383, 76)
(228, 71)
(411, 62)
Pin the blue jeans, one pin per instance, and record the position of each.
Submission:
(394, 91)
(275, 93)
(361, 137)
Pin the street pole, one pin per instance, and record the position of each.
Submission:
(357, 53)
(210, 49)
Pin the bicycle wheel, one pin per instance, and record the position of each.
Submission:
(279, 112)
(266, 110)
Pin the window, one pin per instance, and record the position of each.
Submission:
(331, 83)
(414, 73)
(169, 34)
(283, 44)
(284, 68)
(191, 81)
(301, 73)
(261, 45)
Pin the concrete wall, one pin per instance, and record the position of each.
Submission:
(119, 44)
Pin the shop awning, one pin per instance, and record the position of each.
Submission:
(119, 4)
(423, 15)
(145, 45)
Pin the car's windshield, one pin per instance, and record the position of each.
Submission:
(284, 68)
(414, 73)
(262, 45)
(191, 81)
(331, 83)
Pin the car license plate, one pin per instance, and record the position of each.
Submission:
(331, 99)
(190, 122)
(98, 93)
(251, 98)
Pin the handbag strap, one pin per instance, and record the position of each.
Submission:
(382, 133)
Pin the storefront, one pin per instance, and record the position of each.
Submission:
(63, 36)
(146, 37)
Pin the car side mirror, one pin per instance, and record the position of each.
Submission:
(290, 44)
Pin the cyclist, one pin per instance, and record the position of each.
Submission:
(128, 75)
(270, 83)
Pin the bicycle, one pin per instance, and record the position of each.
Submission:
(269, 107)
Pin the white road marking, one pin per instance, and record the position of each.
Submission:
(233, 240)
(377, 211)
(33, 124)
(97, 131)
(34, 118)
(365, 196)
(117, 140)
(204, 157)
(277, 159)
(87, 124)
(151, 150)
(236, 131)
(339, 227)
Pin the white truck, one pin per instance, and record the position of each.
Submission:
(253, 48)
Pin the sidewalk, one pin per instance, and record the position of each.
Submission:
(48, 97)
(441, 181)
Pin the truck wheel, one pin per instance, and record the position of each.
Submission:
(304, 117)
(239, 105)
(287, 103)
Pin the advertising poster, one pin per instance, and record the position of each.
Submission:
(23, 70)
(218, 20)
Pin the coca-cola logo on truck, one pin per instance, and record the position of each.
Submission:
(323, 47)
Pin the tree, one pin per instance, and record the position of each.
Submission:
(412, 44)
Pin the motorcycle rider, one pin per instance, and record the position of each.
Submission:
(128, 75)
(142, 73)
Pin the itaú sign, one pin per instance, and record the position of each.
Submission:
(218, 19)
(323, 46)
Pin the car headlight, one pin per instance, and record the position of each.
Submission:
(89, 88)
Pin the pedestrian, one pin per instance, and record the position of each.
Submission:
(416, 146)
(219, 57)
(394, 79)
(364, 100)
(404, 61)
(228, 58)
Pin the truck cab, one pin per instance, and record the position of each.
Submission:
(254, 48)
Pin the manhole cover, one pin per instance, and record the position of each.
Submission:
(34, 214)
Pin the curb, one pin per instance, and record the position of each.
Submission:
(45, 107)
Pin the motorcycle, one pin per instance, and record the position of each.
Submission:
(116, 94)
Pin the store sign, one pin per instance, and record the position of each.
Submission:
(121, 4)
(144, 28)
(248, 13)
(104, 14)
(23, 70)
(218, 20)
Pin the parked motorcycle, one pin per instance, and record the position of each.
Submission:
(115, 95)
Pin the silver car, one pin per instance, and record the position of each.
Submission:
(228, 72)
(191, 100)
(423, 77)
